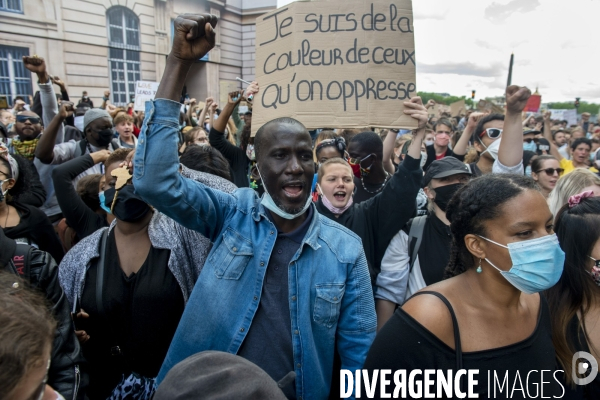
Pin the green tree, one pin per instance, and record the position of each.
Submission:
(426, 96)
(584, 106)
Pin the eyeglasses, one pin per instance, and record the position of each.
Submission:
(493, 133)
(24, 118)
(529, 140)
(597, 262)
(355, 161)
(551, 171)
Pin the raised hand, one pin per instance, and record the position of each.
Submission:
(474, 119)
(417, 110)
(36, 65)
(430, 103)
(516, 98)
(57, 81)
(107, 93)
(66, 109)
(234, 98)
(100, 156)
(194, 36)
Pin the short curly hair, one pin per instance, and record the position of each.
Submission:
(478, 201)
(117, 155)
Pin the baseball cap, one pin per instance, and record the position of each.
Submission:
(447, 166)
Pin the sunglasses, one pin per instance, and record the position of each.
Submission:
(493, 133)
(24, 118)
(551, 171)
(529, 140)
(356, 161)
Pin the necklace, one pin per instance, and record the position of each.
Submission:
(380, 188)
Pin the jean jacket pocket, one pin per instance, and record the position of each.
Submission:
(328, 303)
(232, 256)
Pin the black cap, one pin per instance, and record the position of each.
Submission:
(531, 131)
(447, 166)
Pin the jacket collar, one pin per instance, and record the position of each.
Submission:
(312, 235)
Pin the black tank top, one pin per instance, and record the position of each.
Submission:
(405, 344)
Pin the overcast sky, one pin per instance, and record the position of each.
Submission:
(466, 44)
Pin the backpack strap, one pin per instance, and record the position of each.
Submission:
(100, 273)
(415, 235)
(80, 148)
(22, 261)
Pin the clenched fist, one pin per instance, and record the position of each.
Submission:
(516, 98)
(194, 36)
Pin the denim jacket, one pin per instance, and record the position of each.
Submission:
(330, 296)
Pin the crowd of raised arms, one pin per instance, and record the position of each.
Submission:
(172, 254)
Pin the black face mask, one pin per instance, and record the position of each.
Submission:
(129, 207)
(443, 194)
(105, 136)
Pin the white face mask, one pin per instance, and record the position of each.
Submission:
(428, 142)
(79, 122)
(492, 148)
(423, 158)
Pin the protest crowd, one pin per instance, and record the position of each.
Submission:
(176, 254)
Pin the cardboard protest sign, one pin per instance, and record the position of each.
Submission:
(226, 87)
(569, 115)
(533, 103)
(336, 64)
(144, 91)
(484, 105)
(457, 107)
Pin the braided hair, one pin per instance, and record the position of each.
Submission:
(478, 201)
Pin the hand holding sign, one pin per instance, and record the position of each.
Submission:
(417, 110)
(193, 37)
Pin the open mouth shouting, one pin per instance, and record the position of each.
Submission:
(293, 189)
(340, 195)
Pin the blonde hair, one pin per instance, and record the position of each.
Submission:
(331, 161)
(569, 185)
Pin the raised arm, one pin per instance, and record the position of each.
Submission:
(233, 99)
(388, 150)
(45, 148)
(79, 216)
(156, 174)
(202, 116)
(510, 153)
(462, 144)
(548, 135)
(190, 112)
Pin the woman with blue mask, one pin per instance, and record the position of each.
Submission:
(489, 314)
(574, 300)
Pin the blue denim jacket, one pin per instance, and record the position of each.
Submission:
(330, 295)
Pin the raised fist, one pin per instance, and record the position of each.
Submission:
(35, 64)
(194, 36)
(516, 98)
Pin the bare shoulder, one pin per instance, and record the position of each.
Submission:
(431, 312)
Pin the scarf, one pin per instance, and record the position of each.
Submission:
(26, 148)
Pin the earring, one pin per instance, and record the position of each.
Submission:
(479, 268)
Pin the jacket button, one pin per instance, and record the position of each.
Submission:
(298, 365)
(255, 298)
(294, 298)
(272, 232)
(234, 249)
(241, 329)
(335, 298)
(296, 331)
(262, 264)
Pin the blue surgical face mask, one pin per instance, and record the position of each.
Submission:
(530, 146)
(268, 203)
(537, 264)
(102, 200)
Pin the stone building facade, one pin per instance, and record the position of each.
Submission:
(96, 45)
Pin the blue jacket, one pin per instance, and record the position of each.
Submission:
(330, 296)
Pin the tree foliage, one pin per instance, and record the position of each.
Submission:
(426, 96)
(584, 106)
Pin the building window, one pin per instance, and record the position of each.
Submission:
(123, 53)
(11, 5)
(15, 79)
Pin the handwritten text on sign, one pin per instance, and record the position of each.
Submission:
(342, 64)
(144, 91)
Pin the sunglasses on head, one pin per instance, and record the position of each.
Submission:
(529, 140)
(24, 118)
(550, 171)
(493, 133)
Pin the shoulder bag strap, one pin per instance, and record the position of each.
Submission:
(100, 273)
